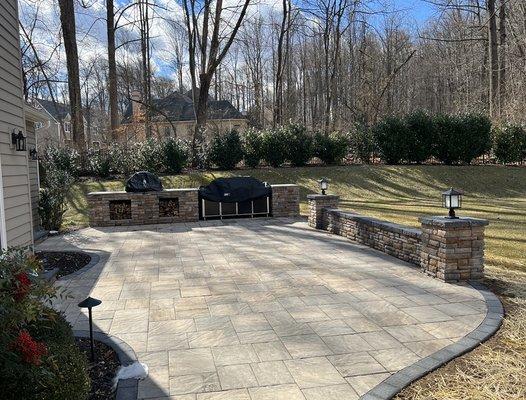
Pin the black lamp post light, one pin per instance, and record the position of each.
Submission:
(18, 140)
(324, 185)
(452, 199)
(89, 303)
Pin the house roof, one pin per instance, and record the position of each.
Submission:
(180, 107)
(58, 111)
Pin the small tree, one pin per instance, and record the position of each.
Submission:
(298, 144)
(252, 148)
(226, 151)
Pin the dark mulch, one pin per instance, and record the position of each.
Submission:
(66, 261)
(102, 370)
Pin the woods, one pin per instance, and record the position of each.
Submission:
(328, 64)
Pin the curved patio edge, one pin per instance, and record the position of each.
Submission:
(393, 385)
(127, 389)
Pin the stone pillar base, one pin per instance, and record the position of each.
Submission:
(453, 249)
(317, 202)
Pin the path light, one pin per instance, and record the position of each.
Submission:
(89, 303)
(452, 199)
(324, 184)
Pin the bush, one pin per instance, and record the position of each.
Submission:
(38, 358)
(461, 138)
(99, 163)
(331, 148)
(61, 158)
(362, 144)
(509, 144)
(226, 150)
(298, 144)
(123, 159)
(393, 139)
(150, 156)
(421, 136)
(53, 198)
(175, 155)
(273, 149)
(252, 148)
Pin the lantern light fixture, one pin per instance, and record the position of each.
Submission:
(18, 140)
(89, 303)
(452, 199)
(324, 185)
(33, 153)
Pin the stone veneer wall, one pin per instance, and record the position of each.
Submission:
(449, 249)
(144, 207)
(285, 200)
(396, 240)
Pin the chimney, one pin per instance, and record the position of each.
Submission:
(136, 104)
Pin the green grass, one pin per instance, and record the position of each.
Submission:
(395, 193)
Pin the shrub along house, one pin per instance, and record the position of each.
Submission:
(174, 116)
(18, 171)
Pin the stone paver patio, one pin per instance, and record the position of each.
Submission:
(262, 309)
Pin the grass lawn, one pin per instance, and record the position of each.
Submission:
(400, 194)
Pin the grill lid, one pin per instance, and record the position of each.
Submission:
(143, 181)
(235, 189)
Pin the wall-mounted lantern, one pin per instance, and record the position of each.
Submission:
(324, 185)
(33, 153)
(452, 199)
(18, 140)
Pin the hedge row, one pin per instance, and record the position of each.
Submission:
(414, 138)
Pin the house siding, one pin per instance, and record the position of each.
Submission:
(14, 165)
(34, 185)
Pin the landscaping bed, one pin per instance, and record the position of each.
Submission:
(67, 262)
(102, 370)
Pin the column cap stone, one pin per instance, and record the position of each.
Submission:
(444, 222)
(322, 197)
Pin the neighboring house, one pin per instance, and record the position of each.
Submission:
(56, 131)
(174, 116)
(17, 175)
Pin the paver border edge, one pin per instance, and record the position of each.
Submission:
(127, 389)
(393, 385)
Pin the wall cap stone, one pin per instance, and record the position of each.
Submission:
(284, 185)
(461, 222)
(322, 197)
(109, 193)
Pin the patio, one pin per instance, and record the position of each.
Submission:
(262, 309)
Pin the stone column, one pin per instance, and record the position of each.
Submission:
(453, 249)
(317, 202)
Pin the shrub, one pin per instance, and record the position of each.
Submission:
(393, 140)
(226, 150)
(175, 155)
(362, 144)
(509, 143)
(99, 163)
(53, 197)
(421, 136)
(273, 150)
(331, 148)
(461, 138)
(61, 158)
(298, 144)
(149, 156)
(38, 358)
(123, 159)
(252, 148)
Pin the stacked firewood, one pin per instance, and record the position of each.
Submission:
(168, 207)
(120, 209)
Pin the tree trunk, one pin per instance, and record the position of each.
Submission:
(502, 57)
(493, 59)
(278, 97)
(67, 21)
(112, 68)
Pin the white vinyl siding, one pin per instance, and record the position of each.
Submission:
(14, 165)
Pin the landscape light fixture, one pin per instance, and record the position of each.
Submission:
(33, 153)
(452, 199)
(89, 303)
(18, 140)
(324, 185)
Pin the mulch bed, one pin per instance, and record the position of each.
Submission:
(102, 370)
(66, 261)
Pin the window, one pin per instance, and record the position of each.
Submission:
(67, 127)
(167, 131)
(39, 125)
